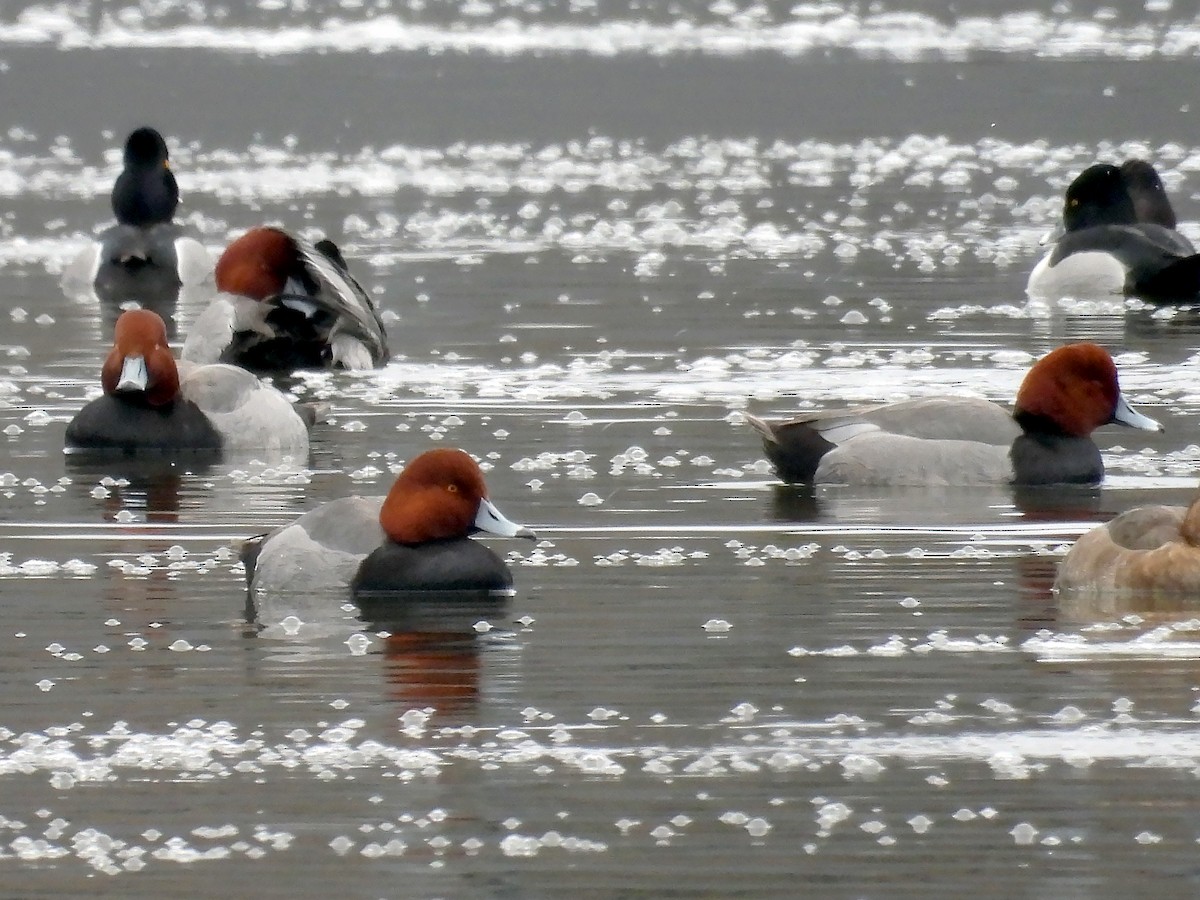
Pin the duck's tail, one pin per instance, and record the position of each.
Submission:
(762, 427)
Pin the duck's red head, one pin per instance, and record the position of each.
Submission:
(140, 360)
(1073, 391)
(435, 497)
(258, 264)
(441, 495)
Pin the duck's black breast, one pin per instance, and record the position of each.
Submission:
(1040, 459)
(109, 423)
(460, 564)
(796, 451)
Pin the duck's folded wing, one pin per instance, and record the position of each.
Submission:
(318, 553)
(249, 415)
(1167, 238)
(339, 294)
(932, 418)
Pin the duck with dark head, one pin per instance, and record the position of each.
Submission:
(1118, 239)
(146, 257)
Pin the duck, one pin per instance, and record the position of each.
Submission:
(286, 304)
(1046, 439)
(152, 404)
(1152, 550)
(415, 540)
(145, 192)
(1151, 205)
(1118, 238)
(146, 255)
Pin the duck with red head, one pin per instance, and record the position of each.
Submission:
(146, 256)
(416, 540)
(1118, 238)
(1064, 397)
(148, 404)
(287, 304)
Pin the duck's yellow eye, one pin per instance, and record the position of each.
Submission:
(1073, 202)
(452, 488)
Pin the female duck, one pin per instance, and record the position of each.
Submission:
(958, 440)
(145, 251)
(287, 304)
(149, 405)
(1151, 549)
(415, 539)
(1119, 238)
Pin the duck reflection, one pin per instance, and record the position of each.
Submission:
(432, 642)
(439, 670)
(1144, 320)
(146, 487)
(795, 503)
(123, 290)
(432, 647)
(1036, 607)
(1152, 607)
(1060, 502)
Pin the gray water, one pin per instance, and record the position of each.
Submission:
(600, 233)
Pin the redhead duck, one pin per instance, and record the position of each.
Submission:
(959, 440)
(1150, 549)
(145, 256)
(414, 540)
(149, 404)
(1118, 238)
(287, 304)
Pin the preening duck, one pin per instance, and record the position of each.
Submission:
(285, 304)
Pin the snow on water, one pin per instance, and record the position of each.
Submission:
(724, 28)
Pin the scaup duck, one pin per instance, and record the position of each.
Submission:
(149, 404)
(961, 440)
(146, 255)
(1151, 205)
(412, 541)
(1118, 239)
(287, 304)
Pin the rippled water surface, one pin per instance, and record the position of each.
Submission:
(599, 232)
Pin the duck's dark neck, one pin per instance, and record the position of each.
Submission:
(1041, 458)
